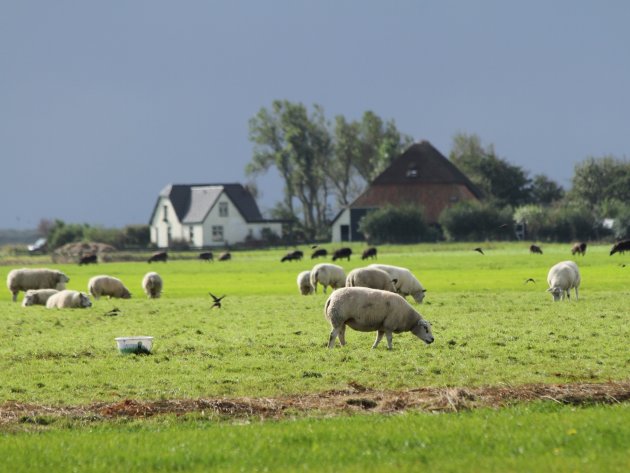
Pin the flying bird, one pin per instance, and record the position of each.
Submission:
(479, 250)
(529, 280)
(112, 313)
(216, 301)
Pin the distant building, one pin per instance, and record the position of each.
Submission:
(207, 215)
(420, 176)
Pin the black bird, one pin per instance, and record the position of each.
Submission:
(112, 313)
(529, 280)
(216, 301)
(479, 250)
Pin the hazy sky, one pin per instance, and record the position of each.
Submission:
(103, 103)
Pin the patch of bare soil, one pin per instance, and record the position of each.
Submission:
(354, 399)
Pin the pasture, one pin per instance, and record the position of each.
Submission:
(267, 342)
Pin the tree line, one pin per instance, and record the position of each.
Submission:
(323, 161)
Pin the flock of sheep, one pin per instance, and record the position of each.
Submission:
(368, 299)
(47, 287)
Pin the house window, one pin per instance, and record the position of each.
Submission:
(191, 233)
(412, 172)
(217, 233)
(165, 210)
(223, 209)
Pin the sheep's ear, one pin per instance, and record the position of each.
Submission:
(424, 290)
(550, 290)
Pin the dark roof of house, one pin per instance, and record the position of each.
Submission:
(421, 162)
(192, 202)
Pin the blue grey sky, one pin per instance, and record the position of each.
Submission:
(103, 103)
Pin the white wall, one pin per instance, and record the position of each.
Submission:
(159, 227)
(344, 219)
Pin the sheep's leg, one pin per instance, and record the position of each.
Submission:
(342, 335)
(333, 335)
(388, 336)
(379, 337)
(15, 296)
(576, 293)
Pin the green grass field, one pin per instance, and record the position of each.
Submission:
(267, 340)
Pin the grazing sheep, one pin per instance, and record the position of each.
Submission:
(327, 275)
(159, 256)
(40, 278)
(407, 284)
(620, 247)
(304, 283)
(563, 277)
(535, 249)
(206, 256)
(107, 286)
(369, 253)
(88, 259)
(371, 277)
(152, 285)
(579, 248)
(225, 256)
(37, 296)
(342, 253)
(69, 300)
(366, 310)
(319, 252)
(292, 256)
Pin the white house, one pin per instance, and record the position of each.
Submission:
(206, 215)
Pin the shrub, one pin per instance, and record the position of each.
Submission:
(473, 221)
(396, 225)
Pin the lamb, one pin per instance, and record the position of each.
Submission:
(369, 253)
(225, 256)
(107, 286)
(371, 277)
(206, 256)
(342, 253)
(579, 248)
(366, 310)
(304, 283)
(327, 274)
(69, 300)
(152, 285)
(561, 278)
(319, 252)
(292, 256)
(620, 247)
(40, 278)
(37, 296)
(407, 284)
(88, 259)
(159, 256)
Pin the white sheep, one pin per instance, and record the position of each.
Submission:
(371, 277)
(304, 283)
(407, 284)
(39, 278)
(327, 274)
(366, 310)
(152, 285)
(68, 299)
(37, 296)
(107, 286)
(563, 277)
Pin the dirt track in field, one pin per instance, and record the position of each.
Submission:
(354, 399)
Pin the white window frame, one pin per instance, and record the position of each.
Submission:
(217, 232)
(223, 209)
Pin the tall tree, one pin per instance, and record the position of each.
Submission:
(341, 170)
(596, 180)
(380, 144)
(544, 191)
(500, 180)
(299, 147)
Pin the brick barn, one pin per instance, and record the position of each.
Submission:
(420, 176)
